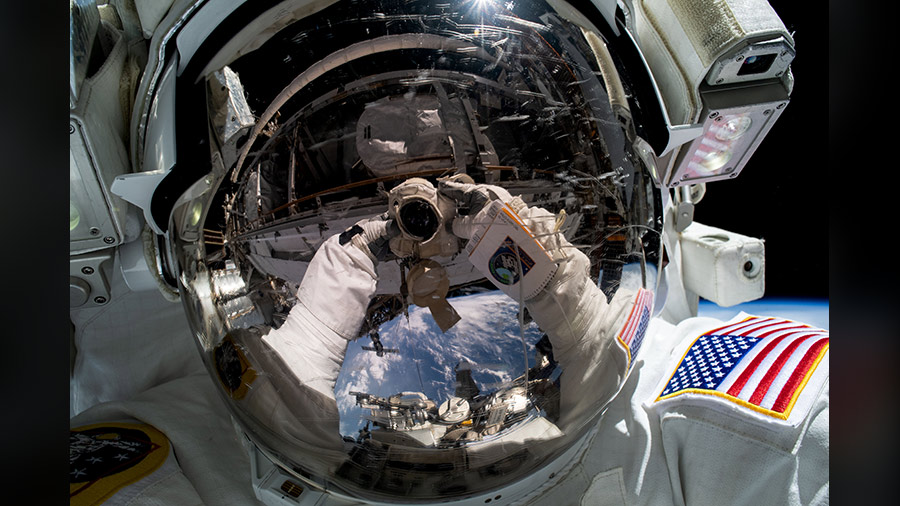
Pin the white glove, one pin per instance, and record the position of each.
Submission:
(372, 236)
(474, 199)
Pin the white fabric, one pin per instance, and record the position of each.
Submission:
(580, 324)
(173, 489)
(372, 230)
(166, 485)
(312, 351)
(607, 489)
(571, 309)
(151, 12)
(698, 457)
(714, 264)
(395, 132)
(661, 463)
(295, 399)
(333, 298)
(672, 454)
(139, 338)
(464, 226)
(190, 412)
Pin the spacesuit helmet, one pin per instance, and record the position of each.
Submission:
(322, 120)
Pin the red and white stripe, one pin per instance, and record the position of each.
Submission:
(773, 373)
(643, 299)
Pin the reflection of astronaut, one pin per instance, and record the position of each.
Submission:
(341, 280)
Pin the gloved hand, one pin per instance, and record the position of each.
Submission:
(570, 308)
(372, 236)
(473, 199)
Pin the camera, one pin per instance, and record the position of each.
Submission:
(424, 217)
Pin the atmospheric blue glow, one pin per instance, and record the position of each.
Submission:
(813, 312)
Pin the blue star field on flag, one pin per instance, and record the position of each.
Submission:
(708, 361)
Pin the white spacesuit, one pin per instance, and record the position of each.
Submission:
(700, 419)
(498, 196)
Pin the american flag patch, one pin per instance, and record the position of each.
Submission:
(760, 363)
(632, 334)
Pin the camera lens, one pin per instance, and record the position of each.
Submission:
(419, 219)
(756, 64)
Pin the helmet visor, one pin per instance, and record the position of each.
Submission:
(351, 102)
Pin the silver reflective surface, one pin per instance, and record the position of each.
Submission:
(354, 101)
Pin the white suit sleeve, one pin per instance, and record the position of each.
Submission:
(710, 420)
(580, 323)
(777, 464)
(333, 298)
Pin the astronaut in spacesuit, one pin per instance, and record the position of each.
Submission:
(650, 412)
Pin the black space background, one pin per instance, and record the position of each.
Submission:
(779, 195)
(820, 191)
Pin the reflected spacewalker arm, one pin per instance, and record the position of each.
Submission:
(332, 302)
(570, 308)
(581, 325)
